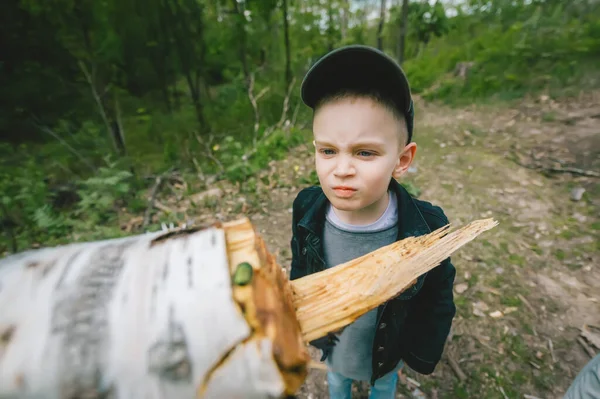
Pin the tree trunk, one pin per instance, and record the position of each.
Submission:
(189, 44)
(330, 26)
(197, 312)
(288, 66)
(240, 21)
(403, 26)
(161, 59)
(194, 87)
(380, 27)
(345, 10)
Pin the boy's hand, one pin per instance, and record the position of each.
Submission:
(325, 344)
(328, 341)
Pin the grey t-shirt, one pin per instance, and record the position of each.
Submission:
(352, 355)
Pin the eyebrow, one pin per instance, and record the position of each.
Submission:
(359, 144)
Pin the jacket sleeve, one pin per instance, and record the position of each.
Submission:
(429, 319)
(296, 270)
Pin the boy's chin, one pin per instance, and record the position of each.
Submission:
(346, 205)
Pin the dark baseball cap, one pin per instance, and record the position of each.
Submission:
(361, 68)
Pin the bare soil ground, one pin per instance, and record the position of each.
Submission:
(525, 289)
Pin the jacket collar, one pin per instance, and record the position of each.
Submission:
(410, 220)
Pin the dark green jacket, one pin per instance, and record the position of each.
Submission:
(413, 326)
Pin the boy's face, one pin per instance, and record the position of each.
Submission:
(359, 147)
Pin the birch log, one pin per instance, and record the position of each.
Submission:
(150, 316)
(201, 312)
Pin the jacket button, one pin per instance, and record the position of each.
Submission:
(380, 364)
(304, 251)
(382, 326)
(380, 349)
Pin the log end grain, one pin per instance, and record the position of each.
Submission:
(267, 303)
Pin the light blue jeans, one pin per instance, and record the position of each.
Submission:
(340, 387)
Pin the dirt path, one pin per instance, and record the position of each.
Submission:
(526, 288)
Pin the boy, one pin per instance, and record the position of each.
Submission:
(362, 125)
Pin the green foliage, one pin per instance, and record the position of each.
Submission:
(100, 194)
(514, 48)
(31, 204)
(187, 80)
(244, 161)
(312, 179)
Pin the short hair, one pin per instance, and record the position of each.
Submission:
(373, 95)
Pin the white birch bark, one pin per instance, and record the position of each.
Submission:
(149, 316)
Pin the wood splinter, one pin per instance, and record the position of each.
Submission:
(198, 312)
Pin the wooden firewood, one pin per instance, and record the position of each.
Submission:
(197, 312)
(334, 298)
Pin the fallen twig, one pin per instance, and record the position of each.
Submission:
(518, 159)
(162, 207)
(575, 171)
(157, 183)
(502, 391)
(481, 341)
(526, 303)
(574, 119)
(153, 193)
(413, 382)
(535, 365)
(592, 338)
(551, 347)
(456, 368)
(530, 397)
(586, 347)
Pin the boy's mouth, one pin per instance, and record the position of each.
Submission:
(344, 191)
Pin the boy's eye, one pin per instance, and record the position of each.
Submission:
(365, 153)
(327, 151)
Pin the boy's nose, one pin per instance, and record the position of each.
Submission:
(344, 168)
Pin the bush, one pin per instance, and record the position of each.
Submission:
(245, 161)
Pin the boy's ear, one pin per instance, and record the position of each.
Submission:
(405, 159)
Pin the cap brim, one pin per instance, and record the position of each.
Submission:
(356, 67)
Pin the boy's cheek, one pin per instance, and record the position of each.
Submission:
(321, 168)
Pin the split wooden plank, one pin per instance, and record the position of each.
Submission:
(331, 299)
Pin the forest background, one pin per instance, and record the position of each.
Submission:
(121, 117)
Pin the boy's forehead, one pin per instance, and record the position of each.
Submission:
(327, 135)
(355, 119)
